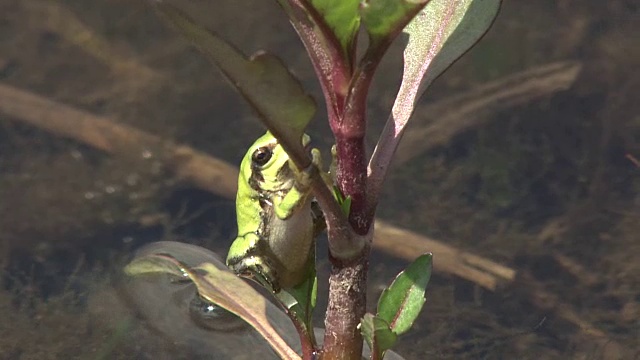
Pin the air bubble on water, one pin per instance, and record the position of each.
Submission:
(110, 189)
(147, 154)
(76, 154)
(89, 195)
(127, 239)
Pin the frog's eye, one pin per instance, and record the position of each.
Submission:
(262, 156)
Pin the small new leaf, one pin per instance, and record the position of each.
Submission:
(401, 302)
(344, 202)
(377, 334)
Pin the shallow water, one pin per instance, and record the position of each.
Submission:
(548, 187)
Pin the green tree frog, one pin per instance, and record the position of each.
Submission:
(275, 218)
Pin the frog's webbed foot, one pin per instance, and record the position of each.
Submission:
(258, 269)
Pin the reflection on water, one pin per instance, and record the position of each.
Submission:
(210, 316)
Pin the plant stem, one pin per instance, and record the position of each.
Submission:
(343, 243)
(347, 305)
(347, 281)
(307, 341)
(350, 129)
(351, 178)
(332, 68)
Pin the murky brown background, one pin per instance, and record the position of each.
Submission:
(548, 187)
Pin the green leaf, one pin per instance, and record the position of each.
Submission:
(383, 19)
(377, 334)
(343, 19)
(401, 302)
(438, 35)
(262, 80)
(345, 205)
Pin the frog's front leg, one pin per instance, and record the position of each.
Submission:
(285, 206)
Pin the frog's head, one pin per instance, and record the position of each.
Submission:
(266, 166)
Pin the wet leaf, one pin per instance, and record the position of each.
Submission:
(221, 287)
(154, 264)
(401, 302)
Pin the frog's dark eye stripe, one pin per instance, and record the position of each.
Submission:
(262, 155)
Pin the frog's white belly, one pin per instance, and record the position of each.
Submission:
(289, 241)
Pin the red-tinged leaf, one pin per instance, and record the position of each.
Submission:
(438, 35)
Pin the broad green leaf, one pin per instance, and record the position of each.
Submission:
(263, 80)
(438, 35)
(343, 19)
(377, 333)
(385, 18)
(401, 302)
